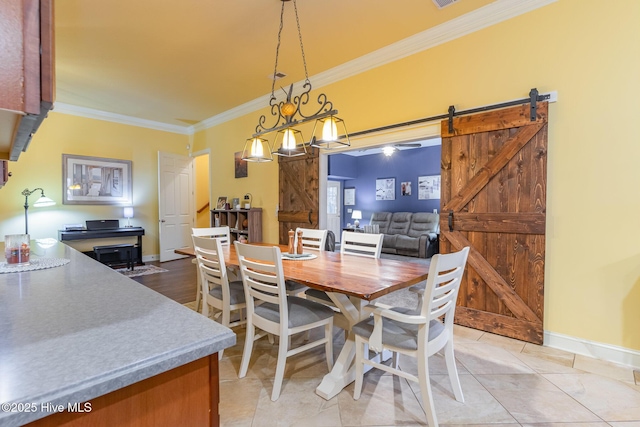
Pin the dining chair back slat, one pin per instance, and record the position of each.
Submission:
(312, 239)
(361, 244)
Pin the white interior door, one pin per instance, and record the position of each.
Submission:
(175, 202)
(334, 206)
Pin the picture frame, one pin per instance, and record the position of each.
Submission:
(405, 188)
(385, 189)
(350, 196)
(222, 201)
(88, 180)
(429, 187)
(241, 167)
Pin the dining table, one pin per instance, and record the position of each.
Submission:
(351, 282)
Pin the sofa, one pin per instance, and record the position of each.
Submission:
(406, 233)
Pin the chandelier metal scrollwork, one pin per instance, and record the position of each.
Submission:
(287, 114)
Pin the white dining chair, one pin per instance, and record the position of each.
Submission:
(358, 244)
(224, 235)
(312, 241)
(416, 334)
(271, 310)
(219, 293)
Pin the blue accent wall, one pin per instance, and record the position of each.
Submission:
(405, 166)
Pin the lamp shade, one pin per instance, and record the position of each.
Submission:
(128, 212)
(356, 214)
(43, 202)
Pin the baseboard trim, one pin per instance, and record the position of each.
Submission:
(149, 258)
(608, 352)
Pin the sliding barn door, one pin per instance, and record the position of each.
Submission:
(494, 170)
(299, 183)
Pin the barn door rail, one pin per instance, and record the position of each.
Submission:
(534, 97)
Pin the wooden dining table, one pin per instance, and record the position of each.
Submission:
(350, 281)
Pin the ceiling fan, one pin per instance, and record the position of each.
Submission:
(395, 146)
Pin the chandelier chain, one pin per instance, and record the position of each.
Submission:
(275, 67)
(304, 59)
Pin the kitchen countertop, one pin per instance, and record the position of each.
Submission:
(71, 333)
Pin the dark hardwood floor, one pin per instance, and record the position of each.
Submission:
(179, 283)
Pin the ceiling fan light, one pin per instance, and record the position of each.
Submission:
(388, 151)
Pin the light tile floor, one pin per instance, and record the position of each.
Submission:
(504, 381)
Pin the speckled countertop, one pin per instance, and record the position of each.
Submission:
(72, 333)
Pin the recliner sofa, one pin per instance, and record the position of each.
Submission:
(406, 233)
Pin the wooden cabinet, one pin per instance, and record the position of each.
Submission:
(242, 222)
(26, 72)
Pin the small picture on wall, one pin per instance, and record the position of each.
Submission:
(429, 187)
(405, 188)
(349, 196)
(386, 189)
(241, 167)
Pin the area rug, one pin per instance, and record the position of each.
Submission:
(141, 270)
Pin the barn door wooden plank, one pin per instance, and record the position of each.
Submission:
(493, 200)
(299, 193)
(480, 180)
(497, 284)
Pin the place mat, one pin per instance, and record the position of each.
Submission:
(34, 264)
(298, 257)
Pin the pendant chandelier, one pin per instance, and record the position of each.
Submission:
(329, 131)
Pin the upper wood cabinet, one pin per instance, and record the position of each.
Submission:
(27, 80)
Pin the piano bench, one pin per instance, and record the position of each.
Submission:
(124, 248)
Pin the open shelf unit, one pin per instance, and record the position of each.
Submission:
(247, 222)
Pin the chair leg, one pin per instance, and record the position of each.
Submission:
(226, 319)
(282, 360)
(450, 360)
(328, 334)
(425, 390)
(248, 347)
(360, 347)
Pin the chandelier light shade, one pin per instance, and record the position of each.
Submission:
(293, 111)
(291, 143)
(257, 150)
(330, 133)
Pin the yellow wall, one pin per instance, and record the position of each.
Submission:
(201, 163)
(41, 166)
(587, 51)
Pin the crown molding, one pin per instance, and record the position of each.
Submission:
(486, 16)
(90, 113)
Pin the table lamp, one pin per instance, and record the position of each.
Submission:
(128, 213)
(357, 215)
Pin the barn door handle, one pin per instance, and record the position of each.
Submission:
(450, 220)
(310, 212)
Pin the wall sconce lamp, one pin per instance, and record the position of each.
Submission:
(357, 215)
(42, 202)
(128, 213)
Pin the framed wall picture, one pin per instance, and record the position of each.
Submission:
(349, 196)
(405, 188)
(222, 201)
(240, 166)
(429, 187)
(95, 181)
(385, 189)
